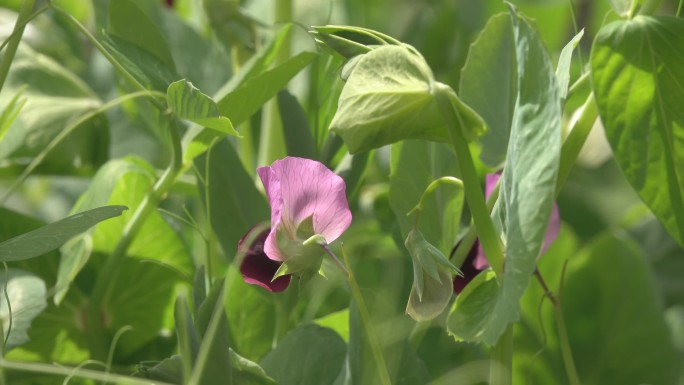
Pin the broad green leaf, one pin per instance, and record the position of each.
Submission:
(54, 235)
(232, 25)
(54, 98)
(26, 294)
(350, 41)
(645, 128)
(296, 129)
(249, 96)
(191, 104)
(126, 181)
(387, 98)
(564, 61)
(439, 218)
(531, 167)
(308, 355)
(236, 204)
(129, 23)
(489, 84)
(626, 339)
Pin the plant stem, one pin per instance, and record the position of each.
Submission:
(272, 141)
(500, 369)
(35, 367)
(18, 32)
(488, 235)
(115, 260)
(367, 324)
(575, 141)
(566, 351)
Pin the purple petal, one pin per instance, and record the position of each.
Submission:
(298, 188)
(257, 268)
(468, 269)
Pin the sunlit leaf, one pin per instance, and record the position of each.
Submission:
(26, 294)
(191, 104)
(645, 128)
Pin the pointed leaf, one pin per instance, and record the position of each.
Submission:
(54, 235)
(646, 128)
(189, 103)
(27, 294)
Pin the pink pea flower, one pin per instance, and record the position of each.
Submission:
(476, 261)
(306, 200)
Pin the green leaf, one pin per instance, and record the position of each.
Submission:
(308, 355)
(129, 23)
(125, 181)
(191, 104)
(54, 98)
(337, 321)
(645, 128)
(54, 235)
(564, 62)
(251, 317)
(296, 129)
(469, 316)
(26, 294)
(625, 341)
(489, 82)
(388, 98)
(531, 166)
(236, 204)
(248, 97)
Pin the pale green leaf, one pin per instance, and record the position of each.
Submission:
(638, 72)
(26, 294)
(564, 61)
(191, 104)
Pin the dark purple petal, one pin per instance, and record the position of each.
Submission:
(468, 269)
(256, 267)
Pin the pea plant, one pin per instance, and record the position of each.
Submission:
(217, 192)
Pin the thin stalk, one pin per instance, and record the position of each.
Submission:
(579, 83)
(576, 31)
(679, 8)
(35, 367)
(566, 350)
(501, 367)
(575, 141)
(19, 25)
(272, 141)
(113, 264)
(240, 56)
(35, 162)
(17, 31)
(207, 340)
(367, 324)
(473, 193)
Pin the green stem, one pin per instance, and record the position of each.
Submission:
(17, 33)
(35, 367)
(473, 193)
(679, 8)
(272, 141)
(566, 351)
(575, 141)
(115, 260)
(35, 162)
(367, 324)
(500, 369)
(203, 356)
